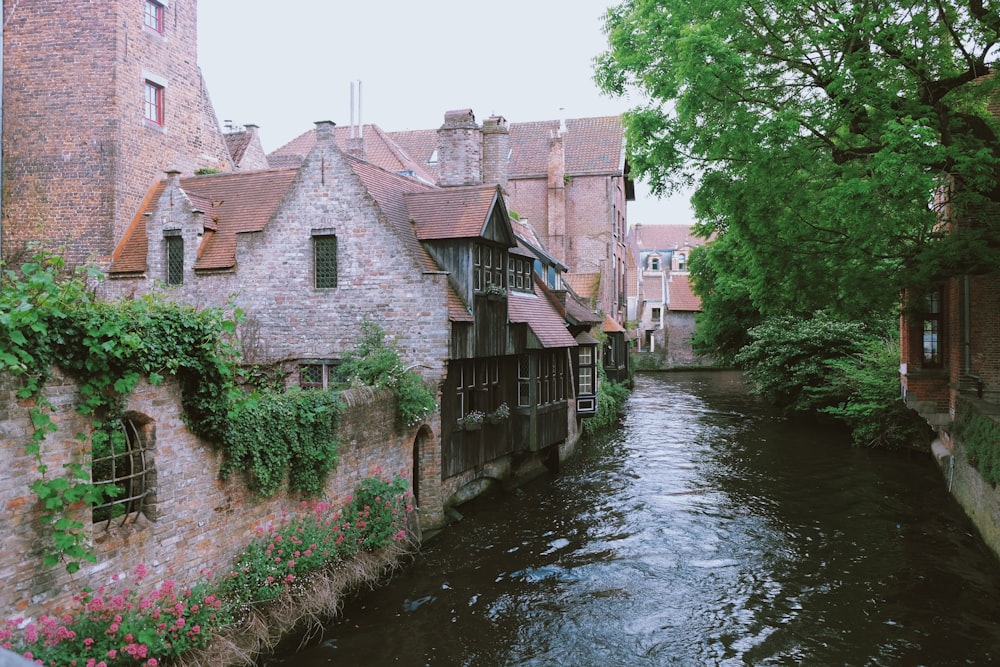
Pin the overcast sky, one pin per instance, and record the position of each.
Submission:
(284, 64)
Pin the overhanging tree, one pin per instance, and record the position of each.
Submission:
(819, 135)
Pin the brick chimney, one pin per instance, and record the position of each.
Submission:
(496, 151)
(324, 131)
(556, 163)
(460, 150)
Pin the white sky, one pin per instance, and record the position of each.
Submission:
(284, 64)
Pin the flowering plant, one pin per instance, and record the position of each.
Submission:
(474, 417)
(501, 413)
(495, 290)
(121, 627)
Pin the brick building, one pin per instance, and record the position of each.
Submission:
(97, 99)
(665, 305)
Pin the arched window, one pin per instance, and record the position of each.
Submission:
(682, 262)
(654, 263)
(123, 469)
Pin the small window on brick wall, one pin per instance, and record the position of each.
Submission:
(317, 374)
(154, 103)
(153, 16)
(123, 470)
(324, 259)
(175, 258)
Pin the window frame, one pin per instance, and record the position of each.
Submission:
(931, 331)
(323, 276)
(154, 98)
(326, 368)
(132, 471)
(153, 15)
(173, 257)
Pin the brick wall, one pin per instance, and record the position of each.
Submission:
(78, 154)
(200, 521)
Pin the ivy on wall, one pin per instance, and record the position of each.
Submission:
(52, 320)
(980, 436)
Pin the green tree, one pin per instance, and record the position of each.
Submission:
(817, 135)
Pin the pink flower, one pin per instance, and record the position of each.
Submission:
(152, 663)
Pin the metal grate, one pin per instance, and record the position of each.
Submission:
(325, 260)
(175, 260)
(122, 467)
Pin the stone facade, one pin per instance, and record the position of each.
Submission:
(197, 522)
(78, 153)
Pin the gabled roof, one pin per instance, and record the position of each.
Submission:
(231, 203)
(389, 191)
(455, 213)
(592, 146)
(649, 238)
(545, 322)
(680, 295)
(379, 149)
(610, 326)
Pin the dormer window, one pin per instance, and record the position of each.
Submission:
(488, 264)
(654, 263)
(682, 262)
(519, 273)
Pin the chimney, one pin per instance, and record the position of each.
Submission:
(460, 150)
(324, 131)
(173, 176)
(556, 163)
(496, 151)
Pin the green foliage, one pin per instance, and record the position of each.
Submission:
(848, 370)
(611, 397)
(273, 436)
(816, 137)
(318, 538)
(48, 320)
(872, 407)
(980, 436)
(792, 361)
(119, 627)
(374, 362)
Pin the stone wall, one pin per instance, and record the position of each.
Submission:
(979, 500)
(197, 521)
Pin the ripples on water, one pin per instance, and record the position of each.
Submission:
(705, 531)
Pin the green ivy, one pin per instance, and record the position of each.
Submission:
(49, 319)
(980, 436)
(273, 435)
(611, 397)
(375, 362)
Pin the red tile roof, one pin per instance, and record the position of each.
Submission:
(680, 295)
(237, 143)
(610, 326)
(541, 317)
(584, 284)
(380, 149)
(131, 254)
(451, 213)
(591, 145)
(665, 237)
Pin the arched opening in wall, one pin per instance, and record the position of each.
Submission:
(123, 469)
(423, 436)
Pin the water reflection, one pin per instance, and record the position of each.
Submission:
(707, 531)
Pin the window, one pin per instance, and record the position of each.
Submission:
(488, 266)
(154, 103)
(153, 16)
(122, 469)
(932, 330)
(523, 381)
(519, 274)
(325, 260)
(654, 263)
(656, 314)
(682, 262)
(175, 257)
(317, 374)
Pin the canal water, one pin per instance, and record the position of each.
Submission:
(705, 531)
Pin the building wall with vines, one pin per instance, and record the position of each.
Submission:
(190, 520)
